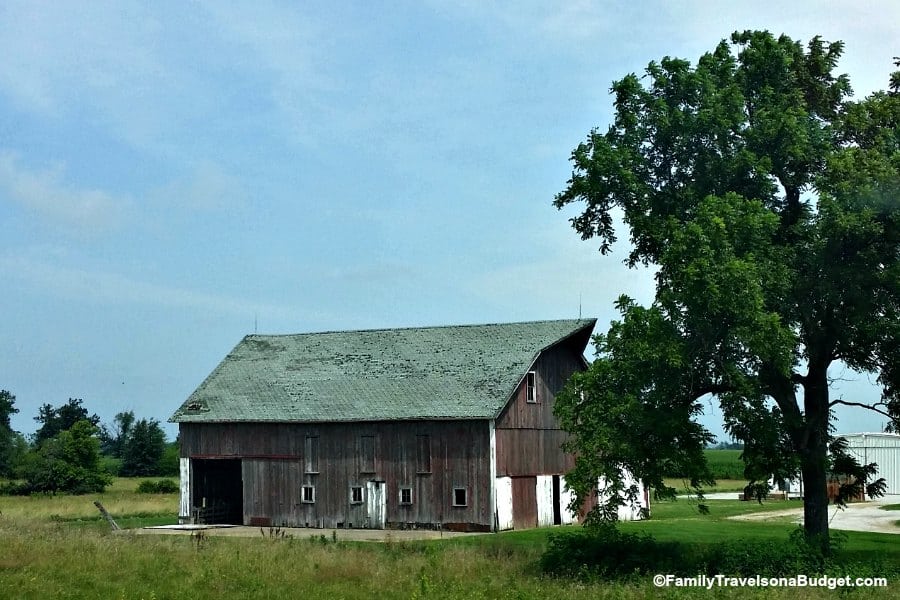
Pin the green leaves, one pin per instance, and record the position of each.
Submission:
(68, 462)
(768, 202)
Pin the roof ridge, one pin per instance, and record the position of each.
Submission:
(586, 320)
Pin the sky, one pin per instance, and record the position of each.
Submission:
(176, 175)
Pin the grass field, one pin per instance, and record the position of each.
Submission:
(724, 464)
(58, 547)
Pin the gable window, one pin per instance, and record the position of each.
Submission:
(423, 454)
(405, 495)
(367, 454)
(356, 495)
(530, 388)
(311, 453)
(459, 497)
(309, 494)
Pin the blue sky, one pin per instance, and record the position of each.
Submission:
(174, 175)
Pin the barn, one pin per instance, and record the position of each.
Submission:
(440, 427)
(882, 449)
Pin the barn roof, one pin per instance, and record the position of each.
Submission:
(452, 372)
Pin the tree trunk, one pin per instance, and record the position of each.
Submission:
(814, 458)
(815, 493)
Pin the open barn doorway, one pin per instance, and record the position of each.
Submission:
(218, 492)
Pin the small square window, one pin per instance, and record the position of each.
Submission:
(530, 388)
(356, 495)
(459, 497)
(309, 494)
(405, 495)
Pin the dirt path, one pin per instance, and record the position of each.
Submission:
(861, 516)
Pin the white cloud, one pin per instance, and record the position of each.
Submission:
(207, 188)
(569, 272)
(110, 288)
(60, 52)
(47, 194)
(294, 52)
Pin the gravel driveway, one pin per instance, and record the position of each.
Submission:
(859, 516)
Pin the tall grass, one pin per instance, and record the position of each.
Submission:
(119, 498)
(45, 552)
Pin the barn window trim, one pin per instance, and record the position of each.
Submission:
(460, 496)
(406, 496)
(308, 494)
(357, 494)
(531, 387)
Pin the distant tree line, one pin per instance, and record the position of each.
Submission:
(729, 446)
(72, 452)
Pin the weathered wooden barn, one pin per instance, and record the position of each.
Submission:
(424, 427)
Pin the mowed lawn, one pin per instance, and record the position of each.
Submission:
(58, 547)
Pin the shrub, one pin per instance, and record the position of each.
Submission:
(608, 553)
(163, 486)
(68, 462)
(15, 488)
(605, 551)
(111, 465)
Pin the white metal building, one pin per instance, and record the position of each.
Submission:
(880, 448)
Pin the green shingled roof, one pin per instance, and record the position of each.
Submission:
(454, 372)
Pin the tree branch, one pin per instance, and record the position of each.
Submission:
(863, 405)
(713, 388)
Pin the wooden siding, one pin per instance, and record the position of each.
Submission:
(528, 435)
(532, 452)
(524, 499)
(275, 468)
(552, 369)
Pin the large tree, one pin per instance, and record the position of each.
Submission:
(113, 437)
(143, 449)
(765, 198)
(12, 444)
(54, 420)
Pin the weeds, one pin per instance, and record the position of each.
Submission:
(199, 538)
(275, 533)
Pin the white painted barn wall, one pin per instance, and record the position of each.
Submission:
(184, 506)
(544, 496)
(565, 499)
(630, 511)
(503, 493)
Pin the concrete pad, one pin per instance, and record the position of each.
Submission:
(302, 533)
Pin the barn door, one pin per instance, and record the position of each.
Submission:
(375, 503)
(557, 501)
(524, 502)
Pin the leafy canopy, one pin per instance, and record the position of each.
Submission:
(55, 420)
(12, 444)
(765, 198)
(68, 462)
(143, 449)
